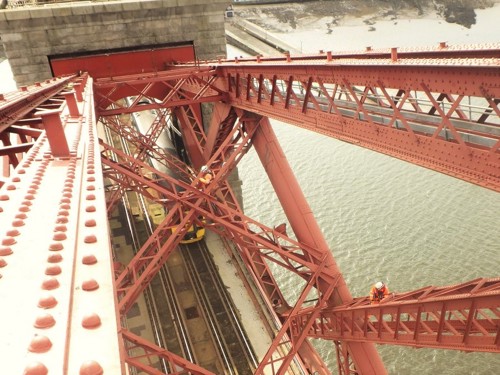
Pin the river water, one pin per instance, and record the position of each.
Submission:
(383, 218)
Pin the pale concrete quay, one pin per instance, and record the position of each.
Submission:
(254, 39)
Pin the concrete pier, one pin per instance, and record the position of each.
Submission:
(32, 33)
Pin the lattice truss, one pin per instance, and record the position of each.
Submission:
(435, 113)
(417, 111)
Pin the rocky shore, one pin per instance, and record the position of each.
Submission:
(296, 14)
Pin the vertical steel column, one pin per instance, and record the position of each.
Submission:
(307, 230)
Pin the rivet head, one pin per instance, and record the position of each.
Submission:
(17, 223)
(3, 262)
(4, 197)
(62, 220)
(47, 302)
(54, 258)
(91, 368)
(50, 284)
(35, 368)
(40, 344)
(11, 187)
(89, 259)
(13, 233)
(91, 320)
(56, 246)
(5, 251)
(53, 270)
(8, 241)
(90, 223)
(60, 228)
(90, 209)
(89, 285)
(44, 321)
(59, 236)
(90, 239)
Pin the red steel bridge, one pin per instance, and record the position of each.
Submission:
(62, 302)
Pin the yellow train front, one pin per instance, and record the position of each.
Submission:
(195, 232)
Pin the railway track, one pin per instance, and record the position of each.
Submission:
(231, 337)
(189, 309)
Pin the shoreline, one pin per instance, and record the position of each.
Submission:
(302, 26)
(287, 17)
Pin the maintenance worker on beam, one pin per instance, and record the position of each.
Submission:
(206, 175)
(378, 292)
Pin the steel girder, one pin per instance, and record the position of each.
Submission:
(345, 362)
(439, 51)
(179, 86)
(143, 355)
(438, 113)
(20, 125)
(55, 258)
(435, 112)
(271, 244)
(461, 317)
(256, 243)
(301, 319)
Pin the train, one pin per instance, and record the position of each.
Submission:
(156, 211)
(195, 232)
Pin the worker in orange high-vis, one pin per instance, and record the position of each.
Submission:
(378, 292)
(206, 175)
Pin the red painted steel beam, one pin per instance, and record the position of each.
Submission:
(16, 105)
(439, 51)
(283, 350)
(459, 317)
(152, 255)
(143, 355)
(115, 63)
(19, 122)
(55, 259)
(417, 110)
(305, 227)
(157, 250)
(220, 213)
(225, 217)
(171, 88)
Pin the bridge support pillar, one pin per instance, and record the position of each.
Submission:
(307, 231)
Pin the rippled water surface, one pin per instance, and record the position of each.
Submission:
(387, 219)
